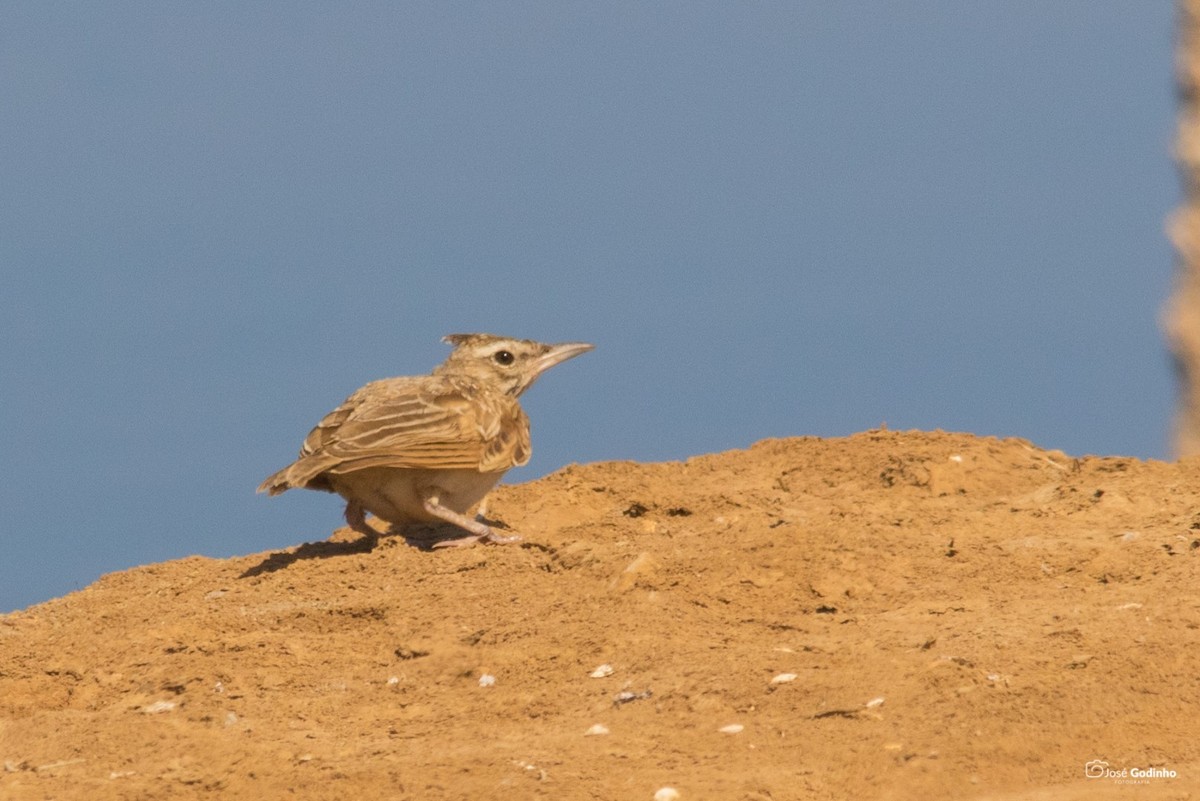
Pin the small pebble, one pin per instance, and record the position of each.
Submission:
(230, 718)
(487, 680)
(874, 702)
(732, 728)
(666, 794)
(596, 730)
(784, 678)
(393, 681)
(625, 696)
(602, 671)
(159, 706)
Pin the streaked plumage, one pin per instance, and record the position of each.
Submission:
(425, 449)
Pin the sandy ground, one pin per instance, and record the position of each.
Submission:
(889, 615)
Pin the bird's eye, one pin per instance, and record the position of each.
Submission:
(503, 357)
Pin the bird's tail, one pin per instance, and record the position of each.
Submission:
(307, 472)
(277, 483)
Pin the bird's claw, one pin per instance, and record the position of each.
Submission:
(466, 542)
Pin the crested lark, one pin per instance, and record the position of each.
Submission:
(425, 449)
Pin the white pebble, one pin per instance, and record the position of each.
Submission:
(230, 718)
(784, 678)
(487, 680)
(159, 706)
(874, 702)
(602, 671)
(732, 728)
(956, 458)
(393, 681)
(666, 794)
(596, 730)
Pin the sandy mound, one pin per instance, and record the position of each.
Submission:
(891, 615)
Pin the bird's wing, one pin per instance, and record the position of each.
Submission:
(427, 422)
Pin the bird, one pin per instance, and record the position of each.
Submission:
(416, 450)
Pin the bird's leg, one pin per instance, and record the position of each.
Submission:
(480, 532)
(481, 513)
(356, 516)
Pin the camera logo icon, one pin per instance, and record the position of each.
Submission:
(1095, 769)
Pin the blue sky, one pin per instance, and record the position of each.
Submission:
(773, 219)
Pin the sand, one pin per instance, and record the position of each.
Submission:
(889, 615)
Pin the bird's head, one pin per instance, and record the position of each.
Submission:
(510, 364)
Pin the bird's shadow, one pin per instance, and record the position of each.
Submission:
(309, 550)
(423, 538)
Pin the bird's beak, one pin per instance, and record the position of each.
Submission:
(558, 354)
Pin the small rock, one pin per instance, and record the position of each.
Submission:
(640, 571)
(626, 696)
(666, 794)
(784, 678)
(635, 510)
(231, 718)
(596, 730)
(158, 706)
(532, 768)
(602, 671)
(393, 681)
(487, 680)
(732, 728)
(62, 763)
(874, 702)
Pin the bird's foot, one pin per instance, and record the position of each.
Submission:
(480, 532)
(490, 536)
